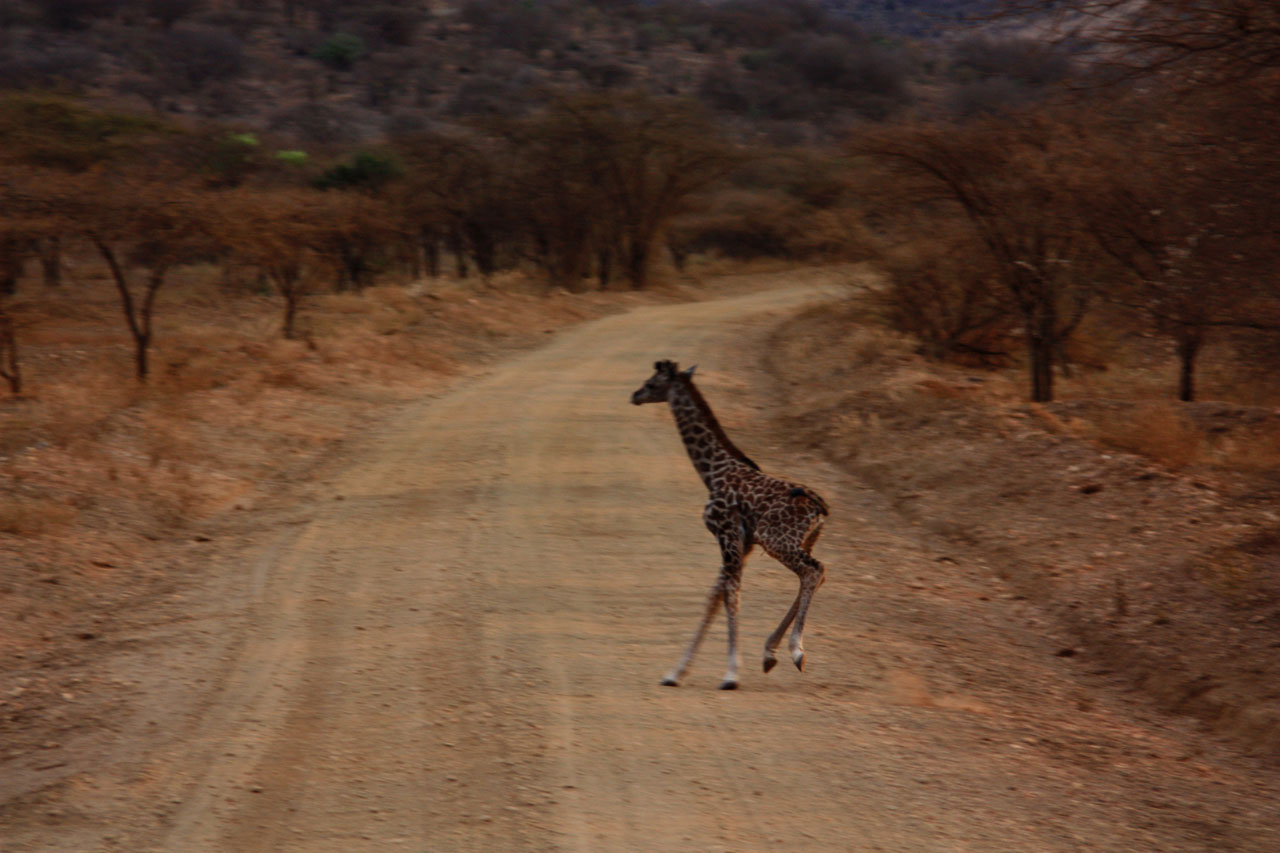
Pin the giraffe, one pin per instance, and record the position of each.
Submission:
(745, 508)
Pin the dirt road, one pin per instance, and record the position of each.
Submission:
(457, 646)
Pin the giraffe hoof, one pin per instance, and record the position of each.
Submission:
(770, 663)
(728, 685)
(799, 659)
(670, 682)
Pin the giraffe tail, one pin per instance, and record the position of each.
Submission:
(813, 497)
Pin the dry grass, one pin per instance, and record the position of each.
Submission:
(33, 516)
(230, 405)
(1260, 453)
(1154, 429)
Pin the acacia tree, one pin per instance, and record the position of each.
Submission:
(352, 232)
(1012, 182)
(142, 229)
(31, 210)
(43, 137)
(278, 231)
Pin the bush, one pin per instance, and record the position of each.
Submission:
(742, 224)
(25, 67)
(526, 27)
(365, 171)
(809, 75)
(340, 51)
(1031, 63)
(76, 14)
(169, 12)
(190, 58)
(315, 122)
(944, 291)
(989, 96)
(488, 95)
(393, 25)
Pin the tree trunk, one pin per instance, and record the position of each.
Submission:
(1189, 344)
(483, 250)
(142, 328)
(290, 313)
(10, 368)
(459, 251)
(604, 268)
(50, 251)
(431, 251)
(141, 358)
(11, 263)
(1040, 349)
(679, 254)
(638, 263)
(138, 320)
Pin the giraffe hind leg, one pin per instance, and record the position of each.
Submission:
(771, 644)
(812, 574)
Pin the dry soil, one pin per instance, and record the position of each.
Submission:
(452, 638)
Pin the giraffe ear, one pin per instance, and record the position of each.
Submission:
(688, 374)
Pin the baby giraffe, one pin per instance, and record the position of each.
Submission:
(746, 508)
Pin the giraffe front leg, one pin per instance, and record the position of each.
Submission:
(714, 600)
(731, 587)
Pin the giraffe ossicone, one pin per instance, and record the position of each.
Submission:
(745, 507)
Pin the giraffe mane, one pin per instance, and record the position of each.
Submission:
(714, 423)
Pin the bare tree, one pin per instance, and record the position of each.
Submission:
(1010, 180)
(1186, 213)
(944, 289)
(1198, 42)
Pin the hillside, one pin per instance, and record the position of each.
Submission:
(335, 73)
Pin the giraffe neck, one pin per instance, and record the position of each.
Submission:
(705, 440)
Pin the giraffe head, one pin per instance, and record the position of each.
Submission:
(659, 385)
